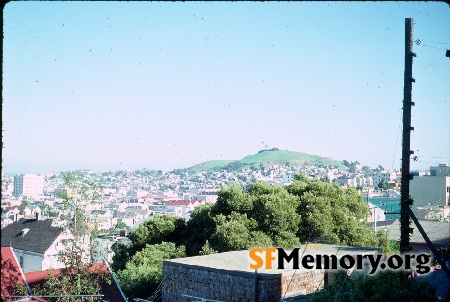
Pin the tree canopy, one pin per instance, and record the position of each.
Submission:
(143, 272)
(260, 215)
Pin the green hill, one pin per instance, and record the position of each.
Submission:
(211, 165)
(269, 158)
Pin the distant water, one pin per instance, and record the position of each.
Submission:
(387, 205)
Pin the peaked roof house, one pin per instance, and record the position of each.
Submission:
(36, 244)
(11, 213)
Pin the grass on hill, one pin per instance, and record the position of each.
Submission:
(268, 158)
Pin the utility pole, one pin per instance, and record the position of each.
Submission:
(406, 201)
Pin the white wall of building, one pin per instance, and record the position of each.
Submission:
(433, 190)
(441, 170)
(29, 261)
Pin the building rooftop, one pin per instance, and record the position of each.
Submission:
(239, 261)
(438, 232)
(30, 235)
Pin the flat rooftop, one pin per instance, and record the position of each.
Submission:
(239, 261)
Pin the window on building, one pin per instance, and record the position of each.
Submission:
(21, 261)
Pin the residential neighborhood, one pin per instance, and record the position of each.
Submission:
(35, 213)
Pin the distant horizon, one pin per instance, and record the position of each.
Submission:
(9, 173)
(168, 85)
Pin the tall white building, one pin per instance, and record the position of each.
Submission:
(433, 190)
(28, 185)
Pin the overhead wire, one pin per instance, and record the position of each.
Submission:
(396, 141)
(309, 238)
(165, 286)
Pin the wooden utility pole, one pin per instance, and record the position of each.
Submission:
(406, 201)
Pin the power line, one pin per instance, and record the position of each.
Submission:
(323, 278)
(396, 141)
(309, 238)
(434, 47)
(427, 162)
(165, 286)
(436, 42)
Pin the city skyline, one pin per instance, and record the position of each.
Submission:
(165, 85)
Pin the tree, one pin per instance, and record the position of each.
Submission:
(143, 273)
(383, 184)
(77, 276)
(337, 215)
(120, 225)
(199, 229)
(237, 232)
(160, 228)
(273, 209)
(121, 256)
(385, 286)
(261, 215)
(68, 282)
(78, 193)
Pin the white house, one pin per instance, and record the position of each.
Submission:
(377, 176)
(37, 244)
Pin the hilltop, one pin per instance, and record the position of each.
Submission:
(269, 158)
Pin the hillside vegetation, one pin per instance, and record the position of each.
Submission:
(269, 158)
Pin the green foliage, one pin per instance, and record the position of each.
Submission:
(82, 281)
(444, 252)
(207, 249)
(230, 200)
(268, 158)
(338, 215)
(383, 184)
(160, 228)
(232, 233)
(301, 177)
(234, 166)
(394, 247)
(262, 215)
(273, 209)
(120, 225)
(143, 273)
(350, 165)
(385, 286)
(200, 228)
(121, 256)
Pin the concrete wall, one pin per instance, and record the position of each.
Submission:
(234, 286)
(430, 189)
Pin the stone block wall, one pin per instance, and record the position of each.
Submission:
(234, 286)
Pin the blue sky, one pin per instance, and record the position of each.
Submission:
(163, 85)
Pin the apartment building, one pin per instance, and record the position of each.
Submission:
(28, 185)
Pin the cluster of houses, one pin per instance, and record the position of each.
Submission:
(34, 216)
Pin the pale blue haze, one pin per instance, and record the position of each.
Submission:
(163, 85)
